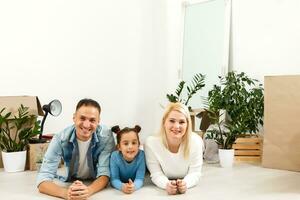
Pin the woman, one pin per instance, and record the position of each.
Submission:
(174, 157)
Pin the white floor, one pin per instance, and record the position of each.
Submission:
(242, 182)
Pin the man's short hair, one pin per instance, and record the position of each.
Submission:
(88, 102)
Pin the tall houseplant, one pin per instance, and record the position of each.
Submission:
(197, 84)
(242, 99)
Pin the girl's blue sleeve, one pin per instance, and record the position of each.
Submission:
(140, 174)
(114, 172)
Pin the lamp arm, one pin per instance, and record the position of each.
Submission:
(42, 125)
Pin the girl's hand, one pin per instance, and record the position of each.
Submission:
(128, 188)
(171, 187)
(181, 186)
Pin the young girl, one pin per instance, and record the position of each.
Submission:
(127, 164)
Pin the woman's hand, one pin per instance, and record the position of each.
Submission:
(171, 187)
(128, 188)
(181, 186)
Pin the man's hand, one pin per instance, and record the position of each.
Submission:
(128, 188)
(78, 191)
(181, 186)
(171, 187)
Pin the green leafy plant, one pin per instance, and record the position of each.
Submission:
(242, 100)
(196, 84)
(221, 132)
(17, 130)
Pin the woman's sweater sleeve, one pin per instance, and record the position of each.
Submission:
(156, 173)
(194, 173)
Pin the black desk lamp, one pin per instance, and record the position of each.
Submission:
(54, 108)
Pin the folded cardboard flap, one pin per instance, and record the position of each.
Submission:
(12, 103)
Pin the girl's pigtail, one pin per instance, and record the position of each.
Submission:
(115, 129)
(137, 128)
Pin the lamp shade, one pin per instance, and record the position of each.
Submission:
(55, 107)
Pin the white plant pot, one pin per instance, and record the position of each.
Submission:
(226, 157)
(14, 161)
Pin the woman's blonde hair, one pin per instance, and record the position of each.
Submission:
(186, 138)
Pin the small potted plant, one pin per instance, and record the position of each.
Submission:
(241, 101)
(15, 132)
(221, 134)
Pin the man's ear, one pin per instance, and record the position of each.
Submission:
(118, 147)
(74, 116)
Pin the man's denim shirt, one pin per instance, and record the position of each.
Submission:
(64, 145)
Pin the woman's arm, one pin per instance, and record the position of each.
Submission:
(157, 175)
(196, 156)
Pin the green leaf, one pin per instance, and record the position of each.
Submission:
(197, 83)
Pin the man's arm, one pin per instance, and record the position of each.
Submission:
(98, 184)
(51, 161)
(50, 188)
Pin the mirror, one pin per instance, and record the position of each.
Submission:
(205, 50)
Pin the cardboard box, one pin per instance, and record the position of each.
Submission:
(281, 123)
(12, 103)
(35, 155)
(204, 120)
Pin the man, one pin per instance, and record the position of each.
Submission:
(85, 148)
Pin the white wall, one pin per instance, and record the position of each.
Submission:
(115, 52)
(126, 54)
(265, 37)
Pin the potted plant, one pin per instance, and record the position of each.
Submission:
(196, 84)
(224, 138)
(15, 132)
(241, 100)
